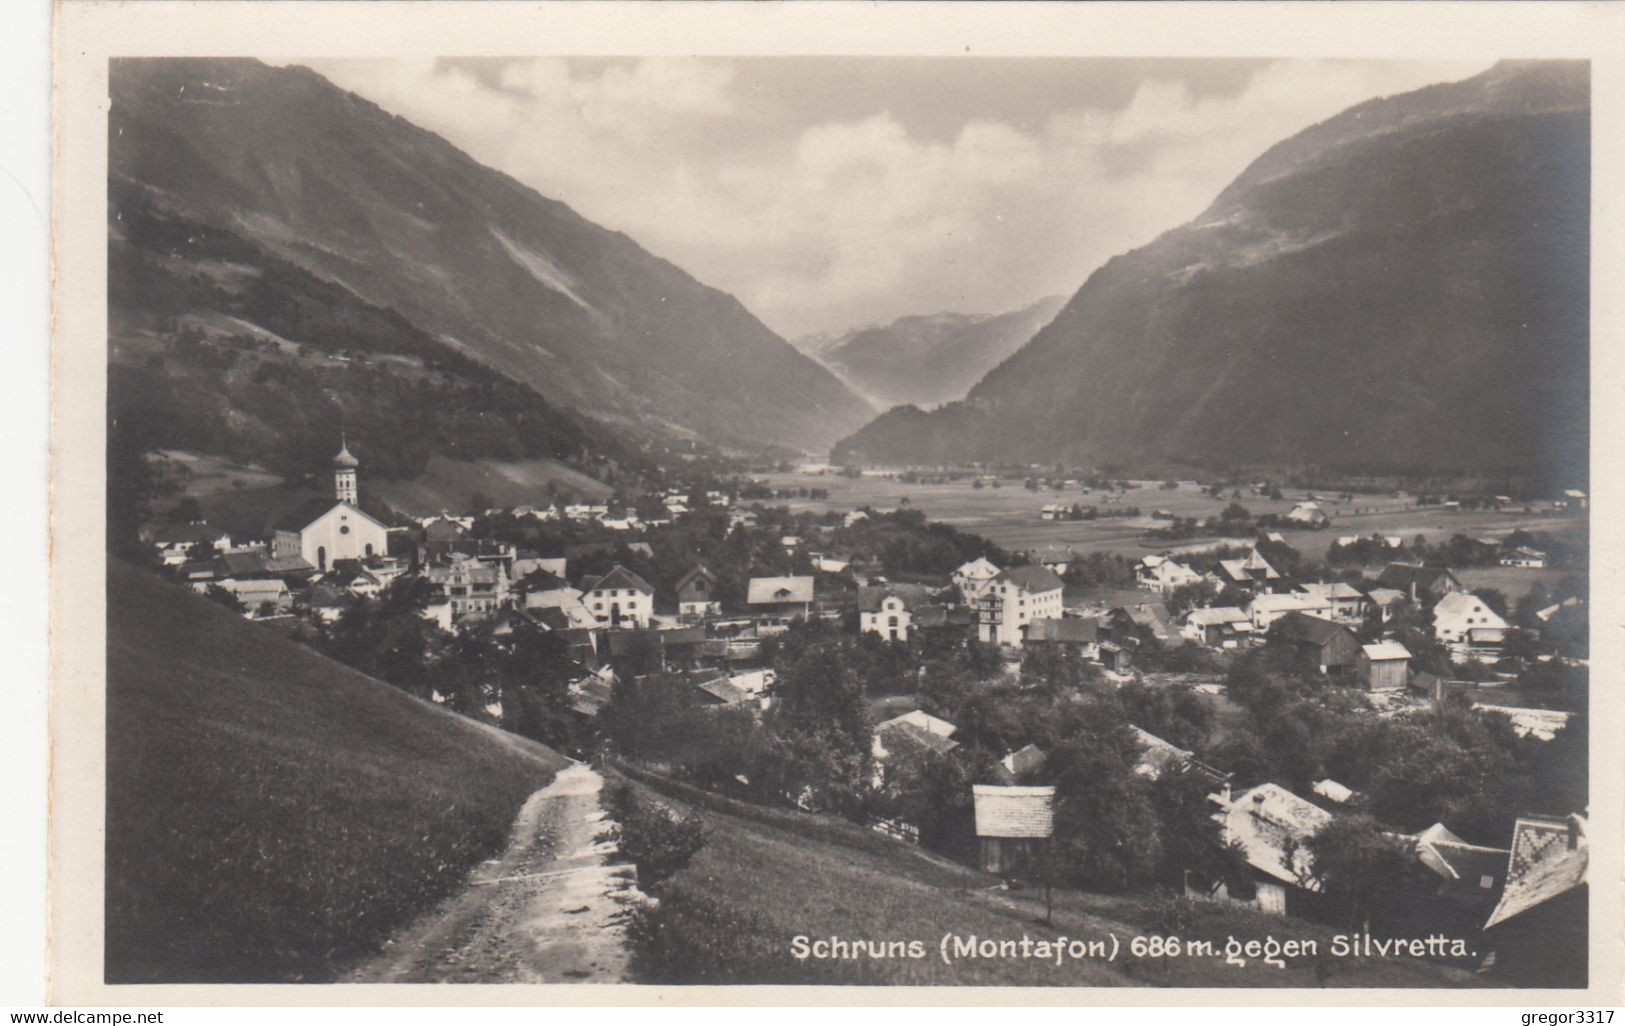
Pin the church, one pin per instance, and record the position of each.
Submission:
(321, 532)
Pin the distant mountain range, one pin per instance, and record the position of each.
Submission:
(280, 167)
(926, 359)
(1405, 284)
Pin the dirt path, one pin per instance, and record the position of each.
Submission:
(549, 910)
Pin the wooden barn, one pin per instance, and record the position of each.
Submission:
(1013, 824)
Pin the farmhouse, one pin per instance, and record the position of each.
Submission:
(1015, 598)
(697, 594)
(883, 611)
(1526, 558)
(1253, 573)
(1308, 513)
(1272, 826)
(1329, 647)
(775, 601)
(1218, 626)
(1462, 621)
(619, 598)
(1075, 636)
(1344, 603)
(974, 578)
(1538, 928)
(1163, 575)
(1421, 584)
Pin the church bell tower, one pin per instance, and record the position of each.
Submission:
(344, 467)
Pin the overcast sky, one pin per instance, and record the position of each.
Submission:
(828, 193)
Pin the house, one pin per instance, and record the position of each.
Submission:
(1329, 647)
(328, 603)
(1384, 666)
(1469, 875)
(1574, 500)
(474, 588)
(257, 595)
(619, 598)
(1308, 513)
(1015, 598)
(1342, 600)
(1421, 584)
(1522, 556)
(1386, 601)
(544, 594)
(1462, 621)
(1114, 657)
(1538, 928)
(352, 577)
(1334, 792)
(1074, 636)
(721, 691)
(1218, 627)
(775, 601)
(1053, 511)
(322, 532)
(1054, 558)
(1272, 827)
(1162, 575)
(697, 594)
(1264, 610)
(1125, 624)
(175, 544)
(1253, 573)
(1013, 827)
(1025, 760)
(974, 578)
(883, 611)
(1157, 756)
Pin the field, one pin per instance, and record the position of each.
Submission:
(272, 815)
(767, 876)
(1511, 581)
(1009, 515)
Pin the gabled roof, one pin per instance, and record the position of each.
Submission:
(1033, 579)
(979, 569)
(312, 510)
(870, 597)
(921, 720)
(724, 692)
(1451, 858)
(1014, 812)
(697, 571)
(1064, 630)
(1312, 630)
(539, 581)
(1550, 857)
(1026, 759)
(1385, 650)
(1217, 616)
(912, 734)
(1156, 755)
(772, 590)
(1404, 575)
(619, 577)
(1271, 825)
(1386, 596)
(1331, 790)
(1461, 603)
(1332, 590)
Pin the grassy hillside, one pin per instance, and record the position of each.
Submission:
(767, 876)
(271, 815)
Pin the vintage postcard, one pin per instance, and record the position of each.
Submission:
(806, 503)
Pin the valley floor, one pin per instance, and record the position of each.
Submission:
(548, 910)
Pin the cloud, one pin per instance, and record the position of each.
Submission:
(821, 223)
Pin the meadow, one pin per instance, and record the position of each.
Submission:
(1009, 515)
(271, 814)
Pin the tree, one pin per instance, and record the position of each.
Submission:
(1106, 828)
(1359, 863)
(1192, 840)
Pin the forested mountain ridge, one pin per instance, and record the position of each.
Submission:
(1405, 283)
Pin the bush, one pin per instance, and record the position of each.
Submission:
(658, 842)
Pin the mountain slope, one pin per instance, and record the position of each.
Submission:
(1403, 284)
(272, 814)
(927, 359)
(331, 184)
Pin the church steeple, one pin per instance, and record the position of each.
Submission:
(344, 473)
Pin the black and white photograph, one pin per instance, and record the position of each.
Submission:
(858, 520)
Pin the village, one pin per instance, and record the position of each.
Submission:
(1014, 710)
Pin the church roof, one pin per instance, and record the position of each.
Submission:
(311, 510)
(344, 459)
